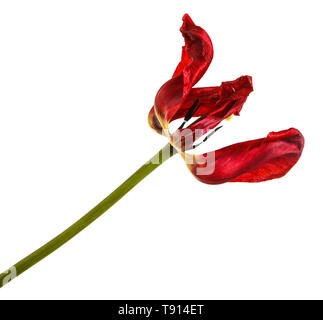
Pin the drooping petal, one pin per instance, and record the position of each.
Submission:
(197, 55)
(251, 161)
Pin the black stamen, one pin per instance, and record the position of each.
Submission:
(207, 137)
(192, 110)
(190, 113)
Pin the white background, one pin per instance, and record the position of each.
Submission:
(77, 79)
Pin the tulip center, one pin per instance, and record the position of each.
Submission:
(189, 115)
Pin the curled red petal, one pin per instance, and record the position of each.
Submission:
(251, 161)
(216, 104)
(197, 55)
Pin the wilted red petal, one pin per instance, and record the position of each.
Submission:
(197, 55)
(217, 104)
(251, 161)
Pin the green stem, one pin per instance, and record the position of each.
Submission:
(23, 265)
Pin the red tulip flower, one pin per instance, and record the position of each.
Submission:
(251, 161)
